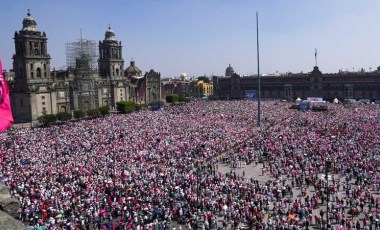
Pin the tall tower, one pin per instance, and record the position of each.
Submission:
(31, 61)
(30, 96)
(115, 86)
(111, 63)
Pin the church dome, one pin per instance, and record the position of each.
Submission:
(132, 70)
(29, 24)
(184, 77)
(110, 35)
(230, 71)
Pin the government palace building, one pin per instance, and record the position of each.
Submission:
(36, 89)
(341, 85)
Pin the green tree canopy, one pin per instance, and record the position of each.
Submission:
(204, 79)
(104, 110)
(47, 118)
(78, 114)
(126, 106)
(64, 116)
(92, 113)
(172, 98)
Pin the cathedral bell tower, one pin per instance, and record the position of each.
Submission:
(111, 63)
(30, 93)
(111, 71)
(31, 61)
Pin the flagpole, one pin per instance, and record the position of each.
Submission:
(258, 74)
(316, 59)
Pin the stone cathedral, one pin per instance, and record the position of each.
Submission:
(36, 89)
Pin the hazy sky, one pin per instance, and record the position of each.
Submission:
(204, 36)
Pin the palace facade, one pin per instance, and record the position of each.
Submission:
(342, 85)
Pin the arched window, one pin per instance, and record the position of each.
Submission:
(44, 66)
(105, 102)
(32, 74)
(62, 109)
(39, 72)
(117, 72)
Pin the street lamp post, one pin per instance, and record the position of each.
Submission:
(328, 165)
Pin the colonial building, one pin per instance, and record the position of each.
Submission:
(146, 88)
(342, 85)
(37, 90)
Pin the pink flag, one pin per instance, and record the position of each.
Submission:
(6, 118)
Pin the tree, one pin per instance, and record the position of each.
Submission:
(378, 68)
(172, 98)
(93, 113)
(64, 116)
(204, 79)
(78, 114)
(184, 99)
(47, 118)
(126, 106)
(105, 110)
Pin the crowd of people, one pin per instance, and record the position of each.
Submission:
(159, 169)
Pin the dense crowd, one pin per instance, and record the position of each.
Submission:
(344, 143)
(158, 169)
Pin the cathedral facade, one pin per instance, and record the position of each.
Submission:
(36, 89)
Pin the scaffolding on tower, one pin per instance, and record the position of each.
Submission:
(80, 48)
